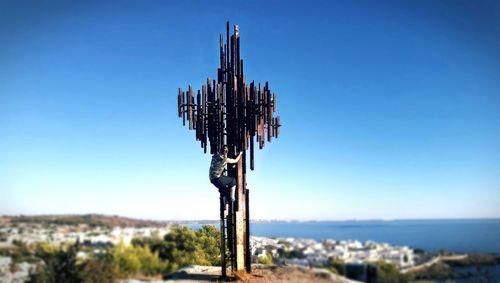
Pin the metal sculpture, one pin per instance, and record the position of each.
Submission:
(230, 111)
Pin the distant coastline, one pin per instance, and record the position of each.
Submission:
(456, 235)
(211, 221)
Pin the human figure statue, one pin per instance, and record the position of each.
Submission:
(225, 184)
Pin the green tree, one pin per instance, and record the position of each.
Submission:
(154, 243)
(99, 269)
(183, 246)
(59, 266)
(127, 261)
(209, 238)
(136, 260)
(389, 273)
(151, 263)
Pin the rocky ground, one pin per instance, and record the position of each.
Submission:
(260, 274)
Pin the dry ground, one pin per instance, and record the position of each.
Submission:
(260, 274)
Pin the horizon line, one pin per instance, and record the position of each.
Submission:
(257, 219)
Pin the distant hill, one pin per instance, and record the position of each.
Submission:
(92, 220)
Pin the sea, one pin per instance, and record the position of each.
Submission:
(453, 235)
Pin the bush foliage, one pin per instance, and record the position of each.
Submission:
(183, 246)
(145, 257)
(389, 273)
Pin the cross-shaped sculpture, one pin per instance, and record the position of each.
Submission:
(229, 111)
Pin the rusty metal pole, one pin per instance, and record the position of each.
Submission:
(222, 237)
(230, 111)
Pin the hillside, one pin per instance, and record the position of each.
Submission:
(91, 220)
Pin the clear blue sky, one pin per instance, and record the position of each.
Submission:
(390, 109)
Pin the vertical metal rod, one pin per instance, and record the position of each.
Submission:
(248, 255)
(222, 237)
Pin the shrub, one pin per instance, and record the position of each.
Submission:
(183, 246)
(389, 273)
(58, 265)
(266, 260)
(99, 270)
(336, 266)
(136, 260)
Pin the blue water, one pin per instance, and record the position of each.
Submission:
(477, 235)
